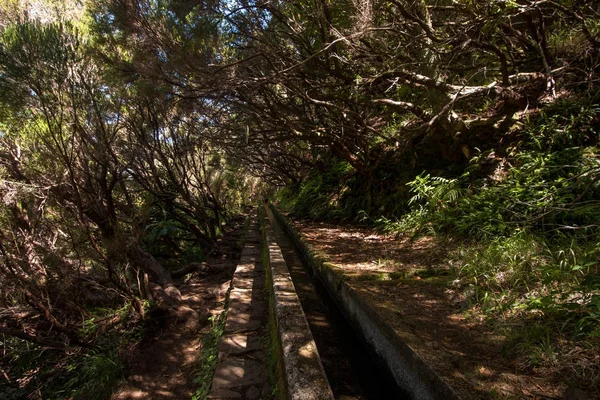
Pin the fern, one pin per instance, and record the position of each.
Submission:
(434, 192)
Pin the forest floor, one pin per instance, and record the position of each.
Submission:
(164, 364)
(409, 283)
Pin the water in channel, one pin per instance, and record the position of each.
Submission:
(350, 369)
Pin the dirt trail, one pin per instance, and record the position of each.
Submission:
(162, 367)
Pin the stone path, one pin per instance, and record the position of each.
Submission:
(241, 371)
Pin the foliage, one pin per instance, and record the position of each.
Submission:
(430, 200)
(96, 375)
(320, 195)
(101, 186)
(548, 182)
(128, 131)
(530, 221)
(91, 374)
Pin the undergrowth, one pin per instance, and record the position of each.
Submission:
(320, 196)
(527, 214)
(529, 221)
(81, 373)
(209, 356)
(87, 375)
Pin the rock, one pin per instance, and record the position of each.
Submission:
(201, 267)
(469, 293)
(238, 372)
(224, 394)
(253, 393)
(435, 345)
(238, 344)
(191, 318)
(573, 393)
(240, 323)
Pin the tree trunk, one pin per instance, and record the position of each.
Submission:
(162, 290)
(161, 276)
(33, 339)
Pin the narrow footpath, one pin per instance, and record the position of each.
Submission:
(164, 365)
(241, 370)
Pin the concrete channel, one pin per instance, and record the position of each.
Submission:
(411, 376)
(342, 367)
(305, 378)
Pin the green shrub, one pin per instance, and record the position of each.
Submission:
(209, 356)
(96, 375)
(320, 196)
(529, 223)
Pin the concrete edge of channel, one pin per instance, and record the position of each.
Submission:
(303, 370)
(406, 367)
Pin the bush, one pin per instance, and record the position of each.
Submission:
(530, 224)
(320, 196)
(95, 375)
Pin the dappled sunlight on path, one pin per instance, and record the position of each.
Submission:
(241, 370)
(163, 366)
(359, 248)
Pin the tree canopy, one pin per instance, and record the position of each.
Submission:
(131, 129)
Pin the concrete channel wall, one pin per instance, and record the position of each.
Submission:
(408, 370)
(305, 377)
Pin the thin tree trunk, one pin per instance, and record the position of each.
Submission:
(33, 339)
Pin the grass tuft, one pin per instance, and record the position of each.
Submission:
(209, 356)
